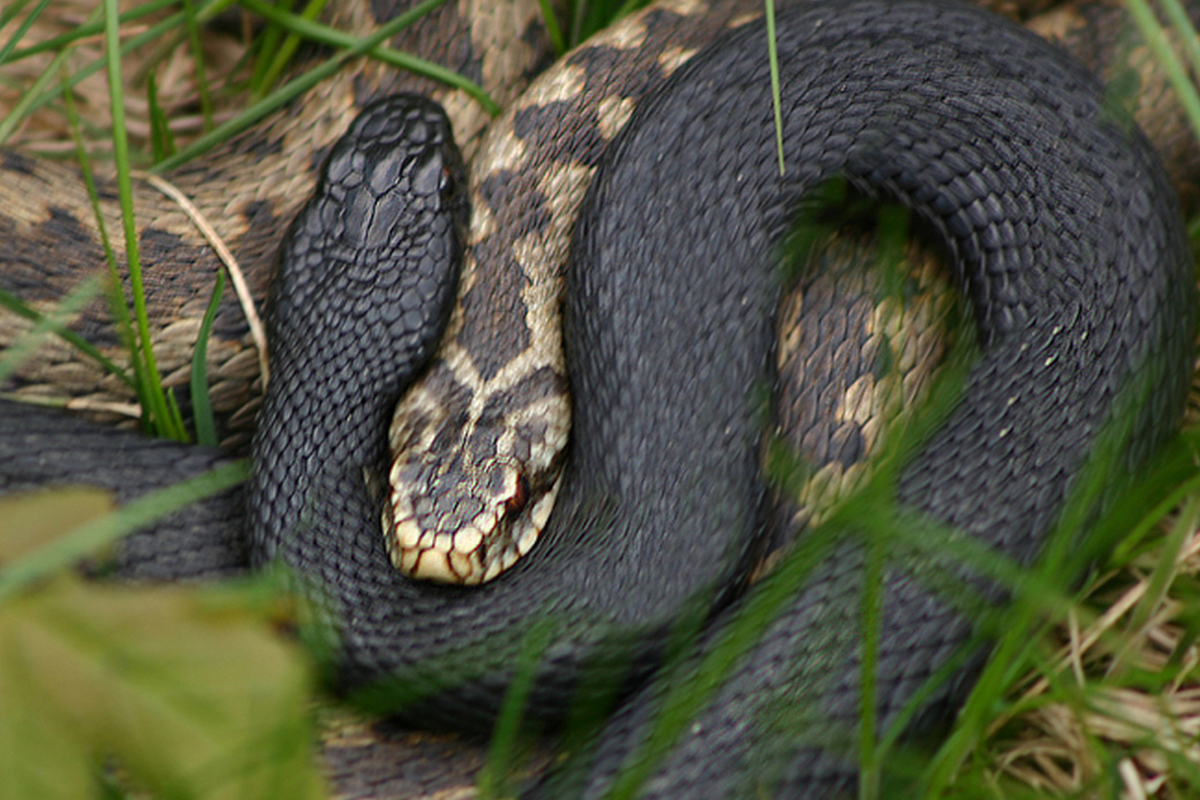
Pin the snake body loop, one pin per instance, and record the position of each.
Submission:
(1068, 245)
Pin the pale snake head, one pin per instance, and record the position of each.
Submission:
(474, 475)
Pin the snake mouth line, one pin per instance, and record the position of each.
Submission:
(471, 553)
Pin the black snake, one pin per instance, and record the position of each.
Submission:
(1067, 240)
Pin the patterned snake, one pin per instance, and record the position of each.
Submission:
(997, 142)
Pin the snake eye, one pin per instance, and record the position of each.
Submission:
(446, 184)
(516, 503)
(429, 175)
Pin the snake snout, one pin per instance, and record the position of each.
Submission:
(394, 172)
(454, 521)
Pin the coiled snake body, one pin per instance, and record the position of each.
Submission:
(1067, 241)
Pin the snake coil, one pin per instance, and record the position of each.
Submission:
(1067, 241)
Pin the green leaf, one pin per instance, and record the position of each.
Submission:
(187, 691)
(17, 573)
(31, 519)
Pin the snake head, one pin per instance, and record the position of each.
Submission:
(471, 489)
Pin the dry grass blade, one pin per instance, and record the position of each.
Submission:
(1065, 747)
(257, 330)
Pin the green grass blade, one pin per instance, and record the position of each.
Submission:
(1167, 567)
(299, 26)
(116, 299)
(507, 730)
(27, 103)
(283, 54)
(265, 46)
(871, 625)
(46, 325)
(553, 31)
(1156, 40)
(10, 12)
(94, 26)
(21, 30)
(206, 429)
(53, 323)
(160, 131)
(193, 30)
(1173, 478)
(154, 403)
(1063, 559)
(776, 98)
(87, 538)
(38, 96)
(1182, 24)
(294, 88)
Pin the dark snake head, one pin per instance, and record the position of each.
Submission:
(365, 282)
(375, 253)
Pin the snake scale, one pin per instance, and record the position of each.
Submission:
(963, 118)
